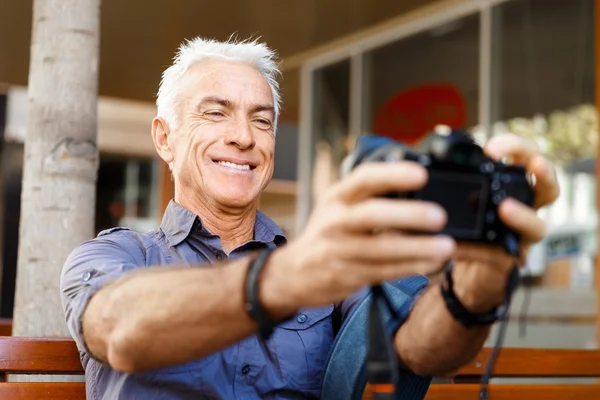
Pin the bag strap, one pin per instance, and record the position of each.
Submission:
(345, 373)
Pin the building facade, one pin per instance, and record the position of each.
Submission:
(486, 66)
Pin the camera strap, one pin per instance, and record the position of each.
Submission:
(382, 362)
(511, 246)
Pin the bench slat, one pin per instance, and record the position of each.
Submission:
(459, 391)
(42, 391)
(39, 356)
(60, 356)
(521, 362)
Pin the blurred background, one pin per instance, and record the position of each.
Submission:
(394, 67)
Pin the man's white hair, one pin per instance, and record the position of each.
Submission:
(252, 52)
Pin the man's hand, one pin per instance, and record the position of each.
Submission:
(481, 272)
(355, 238)
(431, 341)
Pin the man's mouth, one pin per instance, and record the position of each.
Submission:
(241, 167)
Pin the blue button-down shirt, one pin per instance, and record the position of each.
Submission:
(300, 346)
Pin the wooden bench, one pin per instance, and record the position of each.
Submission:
(526, 363)
(60, 357)
(44, 356)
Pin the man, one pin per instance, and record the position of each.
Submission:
(172, 314)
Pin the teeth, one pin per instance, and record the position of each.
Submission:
(244, 167)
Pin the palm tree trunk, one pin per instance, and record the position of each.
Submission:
(61, 158)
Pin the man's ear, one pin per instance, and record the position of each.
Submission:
(160, 136)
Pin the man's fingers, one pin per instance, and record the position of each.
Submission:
(395, 247)
(546, 186)
(382, 214)
(522, 219)
(525, 152)
(375, 179)
(516, 148)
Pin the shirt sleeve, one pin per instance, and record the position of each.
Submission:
(88, 268)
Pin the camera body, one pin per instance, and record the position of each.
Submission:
(462, 179)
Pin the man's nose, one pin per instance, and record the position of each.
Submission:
(241, 135)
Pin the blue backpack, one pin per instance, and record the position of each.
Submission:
(345, 373)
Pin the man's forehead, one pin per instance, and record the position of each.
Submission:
(212, 71)
(226, 80)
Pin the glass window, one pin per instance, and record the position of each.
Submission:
(11, 166)
(542, 83)
(424, 80)
(543, 74)
(331, 112)
(126, 195)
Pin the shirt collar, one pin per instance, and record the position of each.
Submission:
(178, 223)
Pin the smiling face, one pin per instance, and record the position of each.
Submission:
(222, 148)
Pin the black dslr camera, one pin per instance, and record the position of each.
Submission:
(462, 179)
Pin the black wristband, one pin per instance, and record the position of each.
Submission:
(464, 316)
(252, 302)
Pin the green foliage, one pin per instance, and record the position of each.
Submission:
(564, 136)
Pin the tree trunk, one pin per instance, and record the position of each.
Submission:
(61, 158)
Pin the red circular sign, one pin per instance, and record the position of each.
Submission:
(412, 114)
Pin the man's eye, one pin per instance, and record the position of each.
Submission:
(215, 113)
(264, 122)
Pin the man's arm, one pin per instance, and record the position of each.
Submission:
(432, 342)
(161, 316)
(155, 317)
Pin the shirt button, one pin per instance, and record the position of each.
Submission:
(87, 276)
(245, 369)
(301, 318)
(219, 256)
